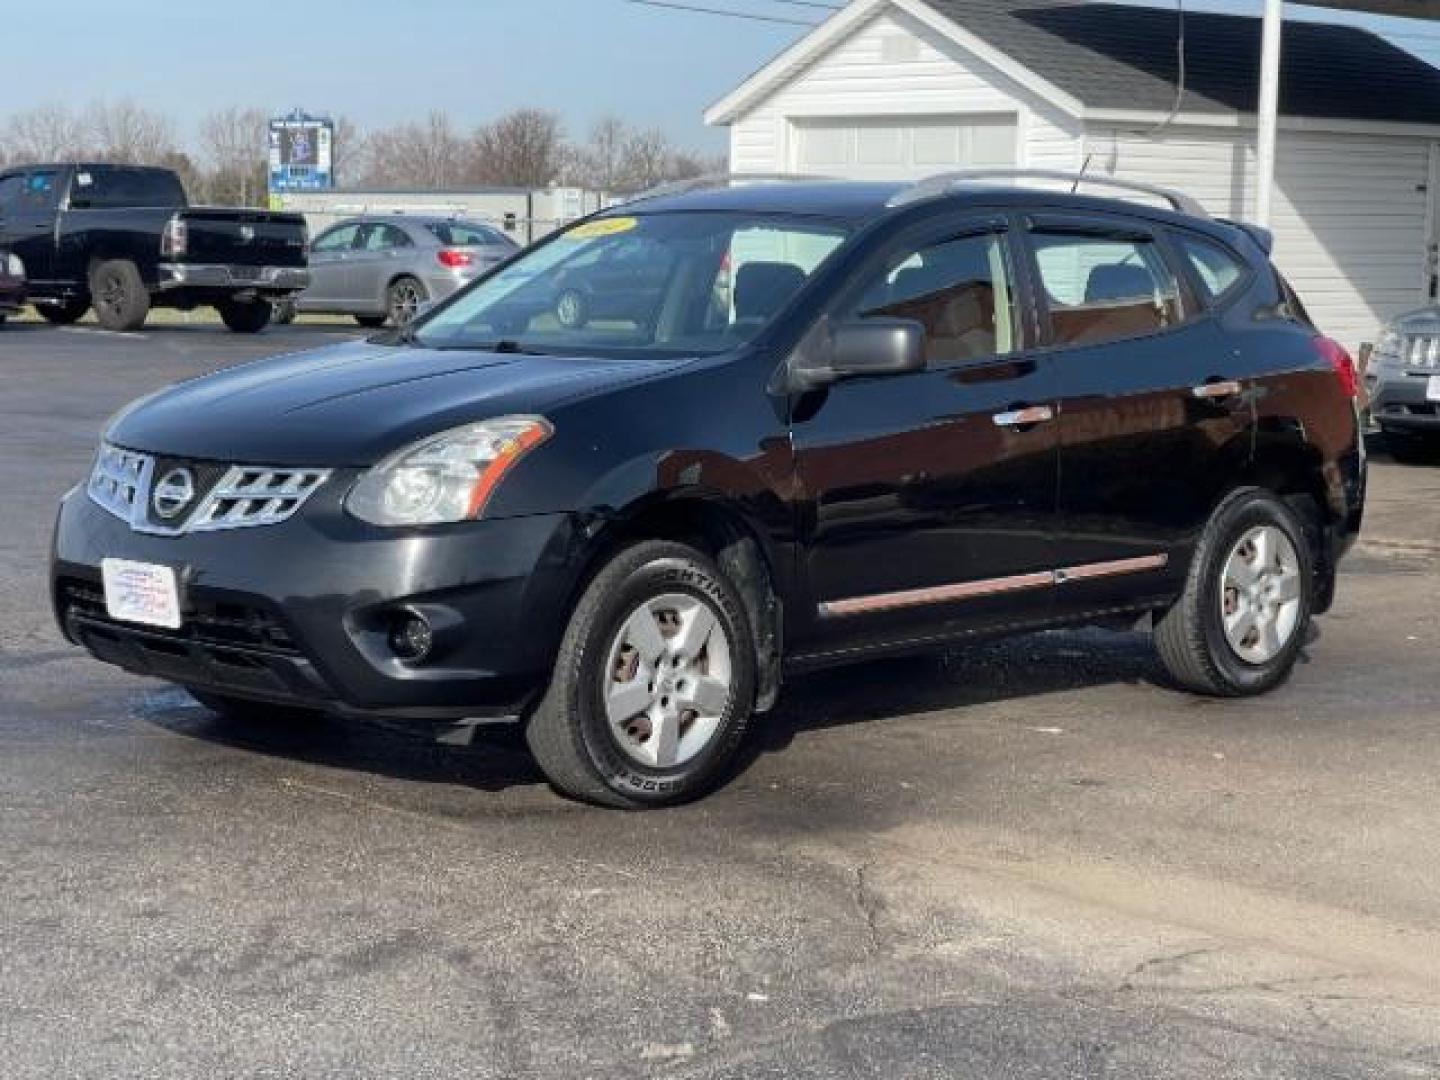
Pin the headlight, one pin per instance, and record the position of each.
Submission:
(14, 267)
(446, 477)
(1388, 346)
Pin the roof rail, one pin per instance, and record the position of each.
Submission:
(716, 180)
(944, 183)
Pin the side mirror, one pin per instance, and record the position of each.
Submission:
(867, 347)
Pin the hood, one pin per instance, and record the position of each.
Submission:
(351, 405)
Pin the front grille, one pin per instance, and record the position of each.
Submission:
(1422, 352)
(208, 621)
(170, 496)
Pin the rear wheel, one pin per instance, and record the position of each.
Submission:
(654, 684)
(1242, 619)
(282, 312)
(119, 296)
(371, 322)
(65, 313)
(405, 297)
(245, 316)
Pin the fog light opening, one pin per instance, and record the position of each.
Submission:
(411, 638)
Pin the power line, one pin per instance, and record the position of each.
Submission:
(698, 10)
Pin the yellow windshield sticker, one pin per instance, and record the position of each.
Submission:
(612, 226)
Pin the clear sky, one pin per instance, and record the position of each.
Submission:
(382, 61)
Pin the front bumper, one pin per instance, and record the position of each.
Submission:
(222, 276)
(1397, 399)
(300, 613)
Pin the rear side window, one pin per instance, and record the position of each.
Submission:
(960, 291)
(457, 234)
(1217, 267)
(116, 186)
(1100, 288)
(377, 236)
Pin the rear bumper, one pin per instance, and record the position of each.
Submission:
(300, 613)
(1397, 400)
(265, 279)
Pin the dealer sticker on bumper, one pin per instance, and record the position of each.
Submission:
(1432, 388)
(141, 593)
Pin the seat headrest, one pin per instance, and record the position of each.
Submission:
(763, 288)
(1119, 281)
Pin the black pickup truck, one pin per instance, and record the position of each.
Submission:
(123, 239)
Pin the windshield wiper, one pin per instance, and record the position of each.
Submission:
(505, 347)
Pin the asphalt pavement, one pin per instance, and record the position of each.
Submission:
(1025, 859)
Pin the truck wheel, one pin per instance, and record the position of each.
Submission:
(1409, 447)
(1242, 619)
(120, 298)
(65, 313)
(245, 316)
(282, 312)
(654, 684)
(370, 322)
(404, 299)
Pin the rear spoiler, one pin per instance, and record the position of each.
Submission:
(1263, 237)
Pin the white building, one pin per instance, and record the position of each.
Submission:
(905, 88)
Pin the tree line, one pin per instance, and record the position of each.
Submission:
(225, 160)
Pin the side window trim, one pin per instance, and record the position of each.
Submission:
(1100, 227)
(1176, 236)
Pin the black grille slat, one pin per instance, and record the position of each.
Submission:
(225, 624)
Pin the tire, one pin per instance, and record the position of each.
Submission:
(64, 314)
(572, 310)
(245, 316)
(282, 312)
(403, 300)
(571, 734)
(246, 711)
(1192, 638)
(371, 322)
(1410, 447)
(119, 297)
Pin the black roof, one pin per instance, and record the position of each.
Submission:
(1117, 56)
(838, 199)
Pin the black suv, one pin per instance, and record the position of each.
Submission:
(857, 419)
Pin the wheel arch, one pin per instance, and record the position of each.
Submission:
(1295, 471)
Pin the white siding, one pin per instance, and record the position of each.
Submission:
(895, 67)
(1349, 214)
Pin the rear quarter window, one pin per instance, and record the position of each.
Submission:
(1217, 269)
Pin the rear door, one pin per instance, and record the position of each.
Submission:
(1154, 419)
(931, 494)
(28, 215)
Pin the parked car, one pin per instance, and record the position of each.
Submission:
(1403, 382)
(12, 285)
(867, 419)
(123, 239)
(384, 268)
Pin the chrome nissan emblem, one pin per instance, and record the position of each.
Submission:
(173, 493)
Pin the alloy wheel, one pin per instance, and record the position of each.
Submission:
(1260, 594)
(405, 301)
(668, 680)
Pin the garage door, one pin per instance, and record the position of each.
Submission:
(903, 148)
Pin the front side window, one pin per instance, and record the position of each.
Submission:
(660, 284)
(1217, 267)
(39, 191)
(338, 239)
(10, 189)
(960, 290)
(1099, 289)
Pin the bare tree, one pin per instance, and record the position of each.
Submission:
(524, 148)
(600, 164)
(125, 133)
(235, 142)
(44, 133)
(425, 154)
(347, 151)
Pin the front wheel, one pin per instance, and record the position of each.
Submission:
(245, 316)
(119, 295)
(1242, 619)
(654, 684)
(65, 313)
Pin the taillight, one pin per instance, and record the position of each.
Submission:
(1340, 360)
(175, 238)
(453, 259)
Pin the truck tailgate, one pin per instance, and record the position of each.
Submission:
(244, 237)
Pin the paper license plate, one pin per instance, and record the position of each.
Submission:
(1432, 388)
(141, 593)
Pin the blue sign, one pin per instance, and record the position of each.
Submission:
(302, 153)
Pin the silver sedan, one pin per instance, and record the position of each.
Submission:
(382, 268)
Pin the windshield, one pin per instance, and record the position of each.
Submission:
(664, 284)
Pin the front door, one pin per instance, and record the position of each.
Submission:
(329, 259)
(1154, 418)
(29, 203)
(930, 496)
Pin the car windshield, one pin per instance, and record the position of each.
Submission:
(663, 284)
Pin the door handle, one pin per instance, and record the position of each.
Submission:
(1030, 414)
(1221, 388)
